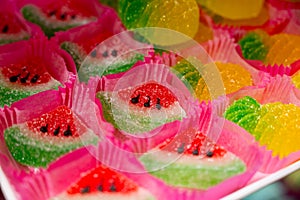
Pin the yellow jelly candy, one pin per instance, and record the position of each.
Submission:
(259, 20)
(279, 128)
(285, 49)
(204, 33)
(234, 9)
(178, 15)
(234, 78)
(296, 79)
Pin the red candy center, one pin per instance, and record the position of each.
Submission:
(59, 122)
(103, 179)
(27, 73)
(152, 95)
(66, 10)
(9, 24)
(190, 143)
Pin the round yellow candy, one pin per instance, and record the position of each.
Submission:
(284, 49)
(296, 79)
(176, 15)
(259, 20)
(234, 78)
(279, 128)
(234, 9)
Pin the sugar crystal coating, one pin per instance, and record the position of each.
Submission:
(36, 144)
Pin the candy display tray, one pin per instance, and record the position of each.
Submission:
(258, 182)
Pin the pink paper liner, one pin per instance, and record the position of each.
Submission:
(74, 95)
(281, 70)
(108, 23)
(293, 27)
(241, 145)
(238, 144)
(52, 181)
(58, 62)
(10, 7)
(278, 20)
(68, 169)
(280, 89)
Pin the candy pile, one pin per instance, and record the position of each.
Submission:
(133, 99)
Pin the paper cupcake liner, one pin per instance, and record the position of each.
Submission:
(242, 146)
(57, 62)
(78, 97)
(293, 27)
(280, 89)
(10, 10)
(281, 70)
(68, 169)
(125, 163)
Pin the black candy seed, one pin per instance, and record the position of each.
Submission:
(195, 152)
(44, 129)
(24, 79)
(14, 78)
(105, 54)
(180, 149)
(114, 53)
(73, 16)
(56, 131)
(209, 154)
(68, 132)
(94, 53)
(5, 29)
(147, 104)
(52, 13)
(85, 190)
(100, 188)
(35, 78)
(63, 16)
(158, 106)
(113, 188)
(135, 100)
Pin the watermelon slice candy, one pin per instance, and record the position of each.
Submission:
(197, 162)
(105, 183)
(41, 140)
(108, 51)
(156, 101)
(53, 15)
(24, 71)
(13, 26)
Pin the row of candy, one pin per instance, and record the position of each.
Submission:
(162, 108)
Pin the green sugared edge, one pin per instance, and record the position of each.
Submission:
(39, 153)
(194, 176)
(128, 121)
(31, 13)
(9, 96)
(253, 47)
(245, 112)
